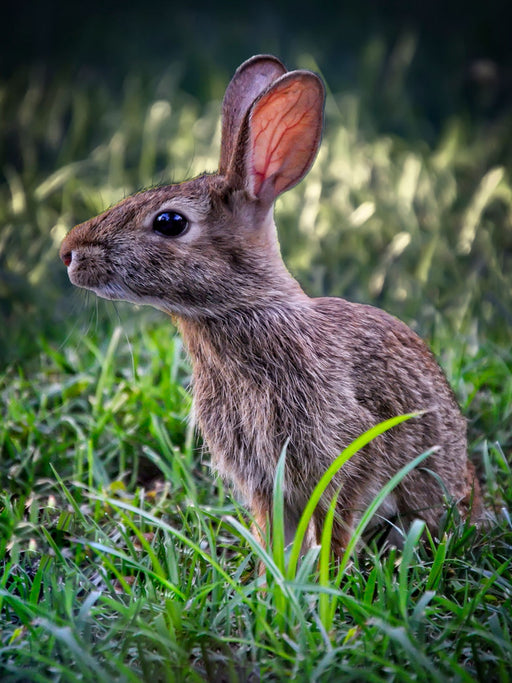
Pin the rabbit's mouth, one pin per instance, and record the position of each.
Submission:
(112, 292)
(85, 272)
(106, 289)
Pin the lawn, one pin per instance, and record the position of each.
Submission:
(122, 557)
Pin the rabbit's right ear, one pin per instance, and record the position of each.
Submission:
(279, 137)
(250, 80)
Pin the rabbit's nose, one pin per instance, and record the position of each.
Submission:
(67, 257)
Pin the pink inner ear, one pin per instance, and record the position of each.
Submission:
(285, 132)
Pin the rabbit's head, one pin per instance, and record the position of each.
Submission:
(199, 247)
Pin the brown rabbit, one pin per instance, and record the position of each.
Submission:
(272, 366)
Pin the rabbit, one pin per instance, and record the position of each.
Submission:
(272, 366)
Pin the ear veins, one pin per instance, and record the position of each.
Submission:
(282, 139)
(268, 156)
(276, 161)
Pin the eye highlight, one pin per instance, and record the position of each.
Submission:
(170, 224)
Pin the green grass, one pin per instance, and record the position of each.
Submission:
(124, 558)
(121, 556)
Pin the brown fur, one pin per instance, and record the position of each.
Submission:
(271, 365)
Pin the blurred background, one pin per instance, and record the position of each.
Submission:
(409, 205)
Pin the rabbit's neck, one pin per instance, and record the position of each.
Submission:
(249, 336)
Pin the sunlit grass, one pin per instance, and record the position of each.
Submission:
(419, 229)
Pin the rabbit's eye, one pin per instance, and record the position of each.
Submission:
(170, 224)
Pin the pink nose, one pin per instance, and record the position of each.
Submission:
(66, 258)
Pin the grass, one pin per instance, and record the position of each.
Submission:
(124, 560)
(121, 557)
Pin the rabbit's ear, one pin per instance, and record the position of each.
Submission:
(281, 135)
(249, 81)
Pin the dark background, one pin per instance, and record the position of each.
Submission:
(462, 50)
(424, 76)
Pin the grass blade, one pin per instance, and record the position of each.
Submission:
(326, 479)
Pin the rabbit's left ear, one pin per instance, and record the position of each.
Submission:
(281, 134)
(250, 80)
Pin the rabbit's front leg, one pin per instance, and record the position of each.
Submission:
(261, 507)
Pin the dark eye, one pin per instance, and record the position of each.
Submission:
(170, 224)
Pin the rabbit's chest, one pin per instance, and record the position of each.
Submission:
(242, 427)
(255, 395)
(246, 422)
